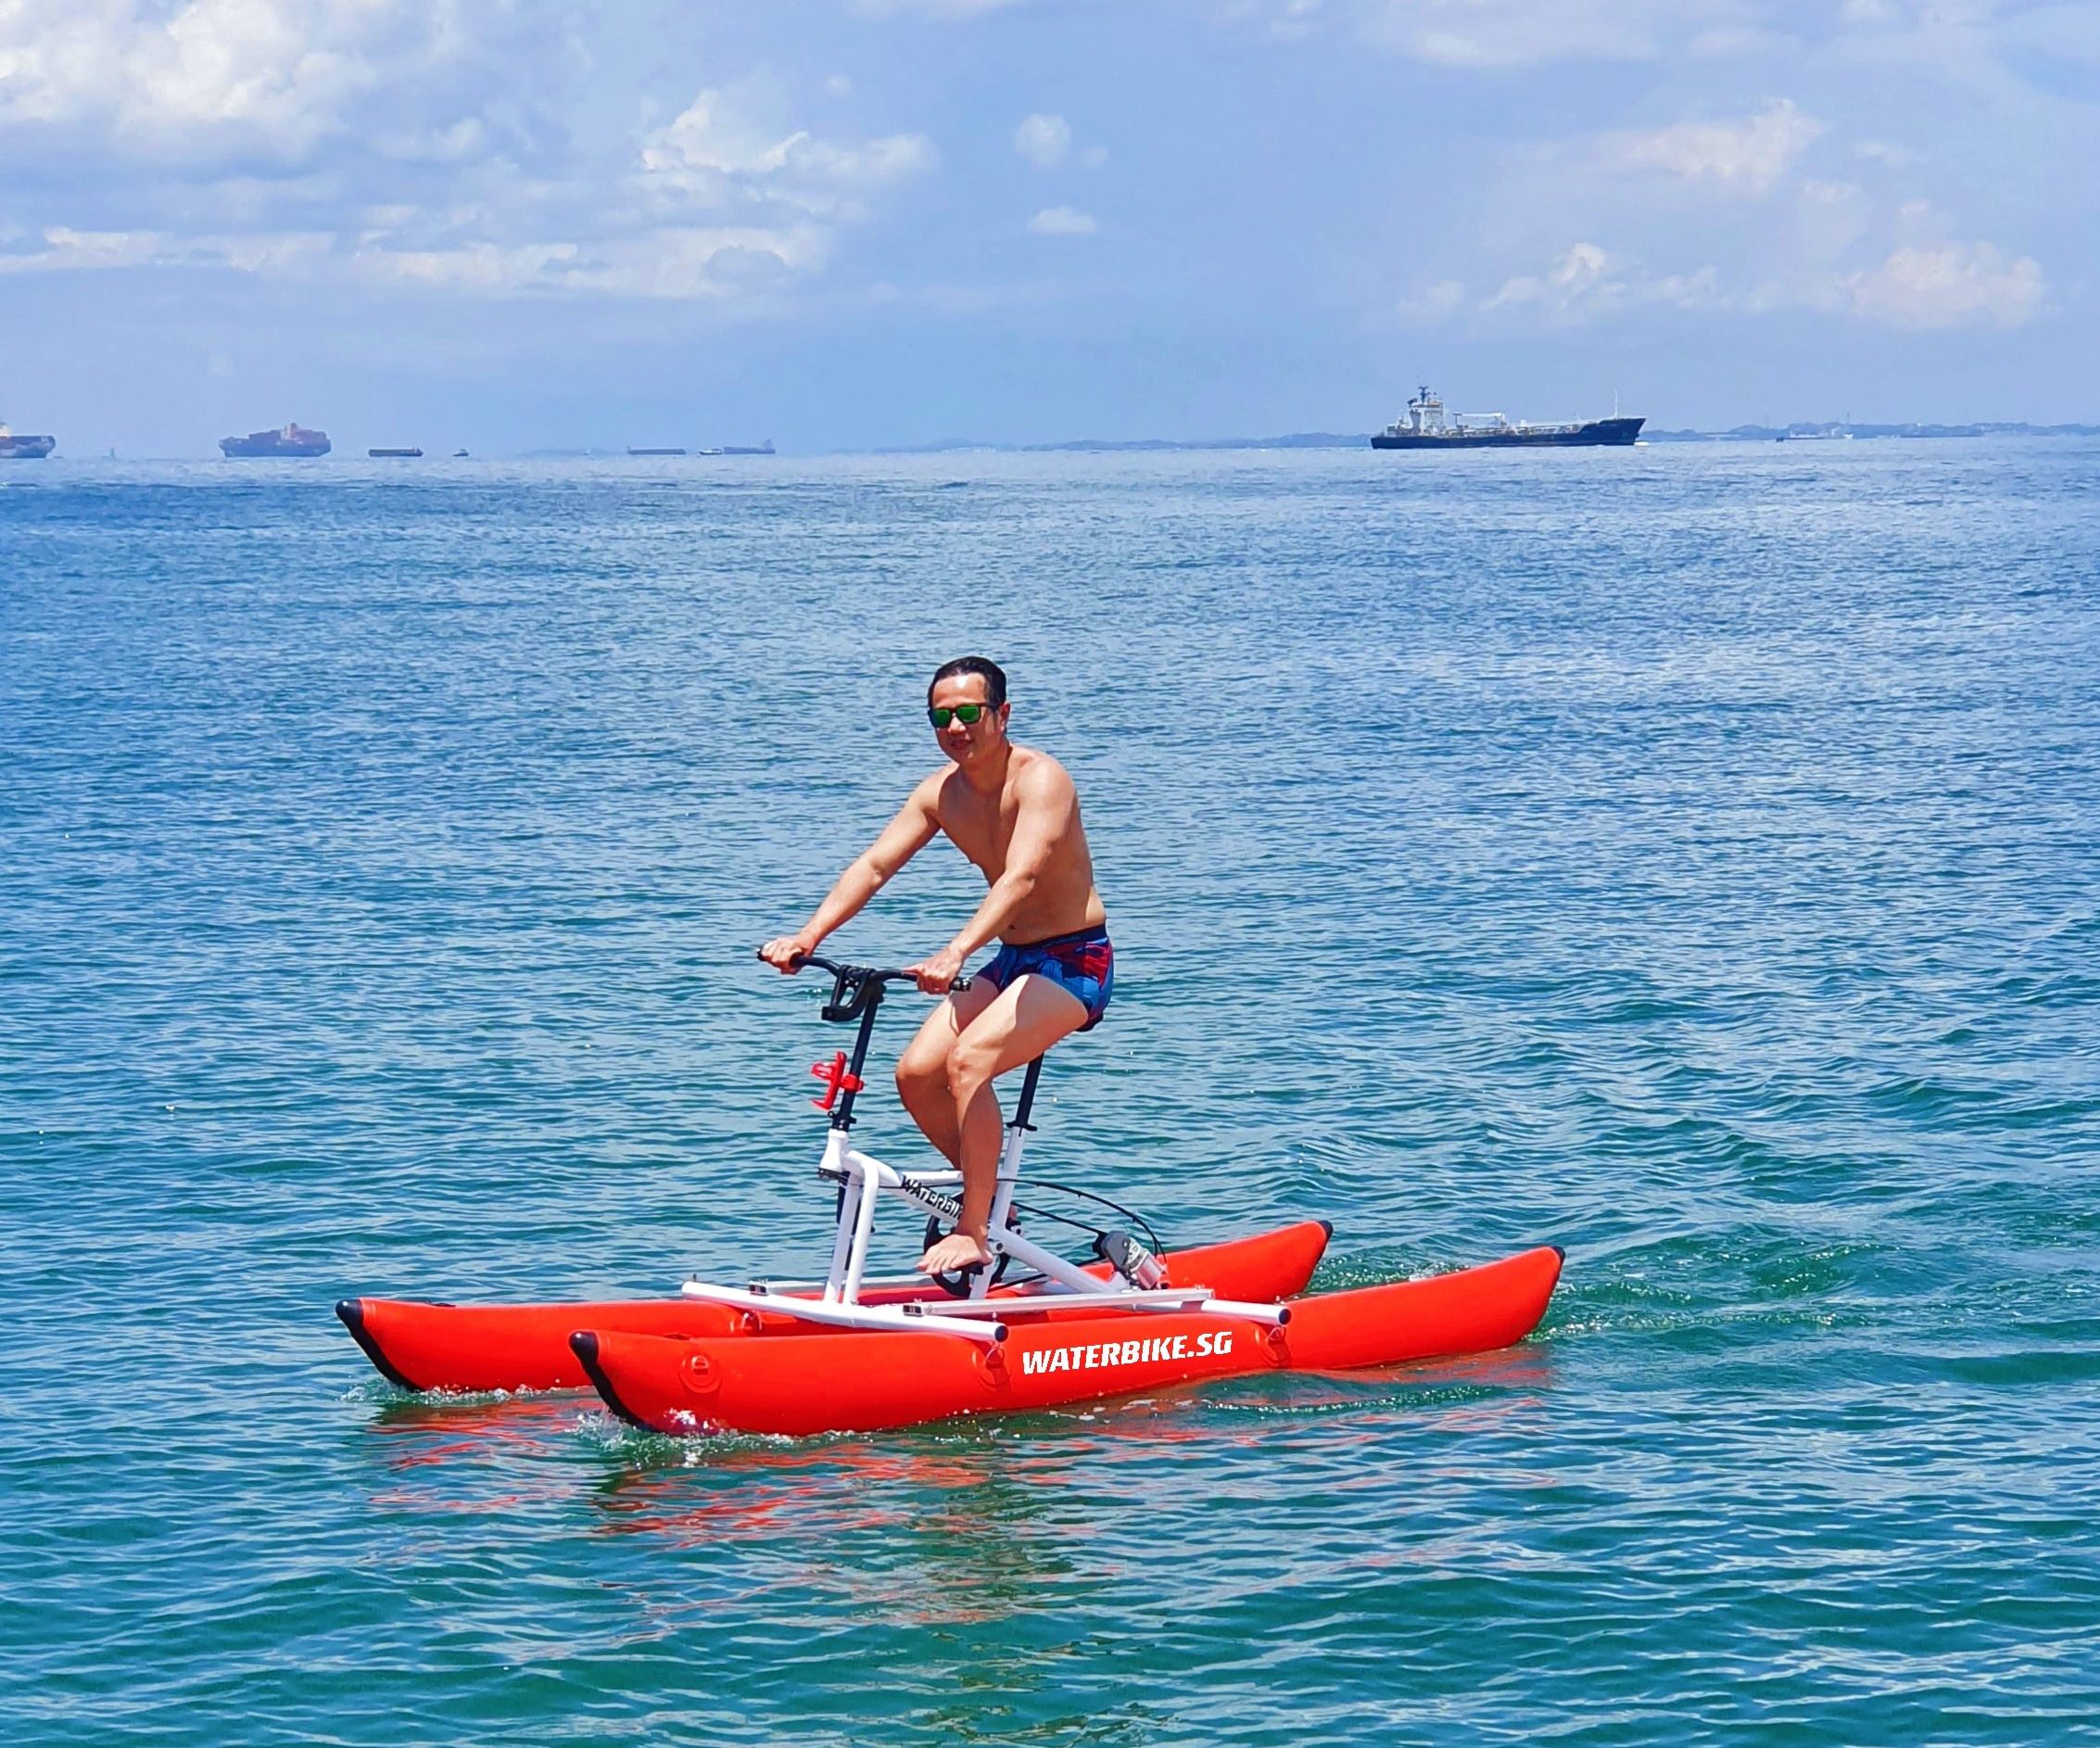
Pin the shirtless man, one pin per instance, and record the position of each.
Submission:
(1013, 811)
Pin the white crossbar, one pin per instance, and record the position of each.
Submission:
(1138, 1298)
(1241, 1308)
(841, 1316)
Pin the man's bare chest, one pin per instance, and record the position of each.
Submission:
(983, 831)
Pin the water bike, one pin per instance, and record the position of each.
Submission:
(1031, 1329)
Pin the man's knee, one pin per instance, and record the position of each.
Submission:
(970, 1067)
(917, 1077)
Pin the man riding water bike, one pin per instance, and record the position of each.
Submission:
(1013, 811)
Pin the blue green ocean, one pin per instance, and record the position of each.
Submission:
(1687, 856)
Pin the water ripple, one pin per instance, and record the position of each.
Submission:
(1684, 856)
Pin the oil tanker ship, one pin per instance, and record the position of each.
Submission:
(1427, 428)
(24, 448)
(293, 440)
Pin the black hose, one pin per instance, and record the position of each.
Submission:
(1130, 1214)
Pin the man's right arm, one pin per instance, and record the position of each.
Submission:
(872, 870)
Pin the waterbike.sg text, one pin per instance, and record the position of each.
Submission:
(1157, 1347)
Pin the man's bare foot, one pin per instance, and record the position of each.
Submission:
(957, 1250)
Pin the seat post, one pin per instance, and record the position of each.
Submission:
(1028, 1095)
(1009, 1168)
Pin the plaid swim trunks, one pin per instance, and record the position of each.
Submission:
(1082, 962)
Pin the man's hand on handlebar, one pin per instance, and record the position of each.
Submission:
(786, 953)
(938, 971)
(939, 974)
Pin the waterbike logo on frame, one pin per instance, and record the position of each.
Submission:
(1151, 1350)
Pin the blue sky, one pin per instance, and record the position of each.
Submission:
(506, 223)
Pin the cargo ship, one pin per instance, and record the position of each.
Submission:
(24, 448)
(395, 455)
(1428, 427)
(293, 440)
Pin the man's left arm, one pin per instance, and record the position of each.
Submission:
(1048, 805)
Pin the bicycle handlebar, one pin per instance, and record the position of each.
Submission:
(867, 973)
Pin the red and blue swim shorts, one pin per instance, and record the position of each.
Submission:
(1082, 962)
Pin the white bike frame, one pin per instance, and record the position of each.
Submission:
(864, 1180)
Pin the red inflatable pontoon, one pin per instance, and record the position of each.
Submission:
(422, 1345)
(861, 1381)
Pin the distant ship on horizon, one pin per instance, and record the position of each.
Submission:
(24, 448)
(293, 440)
(1427, 428)
(721, 449)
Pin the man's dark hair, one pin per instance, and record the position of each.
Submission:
(994, 676)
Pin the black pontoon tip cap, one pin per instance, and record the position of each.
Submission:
(351, 1311)
(583, 1343)
(1327, 1226)
(1559, 1250)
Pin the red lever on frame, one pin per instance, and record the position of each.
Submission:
(836, 1080)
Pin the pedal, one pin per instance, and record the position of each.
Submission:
(955, 1282)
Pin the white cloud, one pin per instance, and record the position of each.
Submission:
(720, 203)
(1586, 280)
(712, 156)
(1949, 284)
(66, 250)
(1044, 140)
(268, 77)
(1749, 156)
(684, 262)
(1829, 218)
(63, 247)
(1063, 221)
(675, 262)
(1434, 302)
(1574, 276)
(715, 207)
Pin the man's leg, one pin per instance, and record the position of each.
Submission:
(922, 1070)
(1024, 1020)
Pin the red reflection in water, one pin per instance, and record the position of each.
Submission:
(956, 1483)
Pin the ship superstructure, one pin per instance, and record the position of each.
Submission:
(1428, 426)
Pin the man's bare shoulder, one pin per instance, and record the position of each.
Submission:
(1037, 775)
(932, 787)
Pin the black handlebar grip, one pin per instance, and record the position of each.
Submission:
(883, 977)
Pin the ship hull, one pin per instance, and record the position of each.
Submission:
(1598, 433)
(244, 450)
(26, 449)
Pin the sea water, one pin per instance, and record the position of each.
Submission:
(1688, 855)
